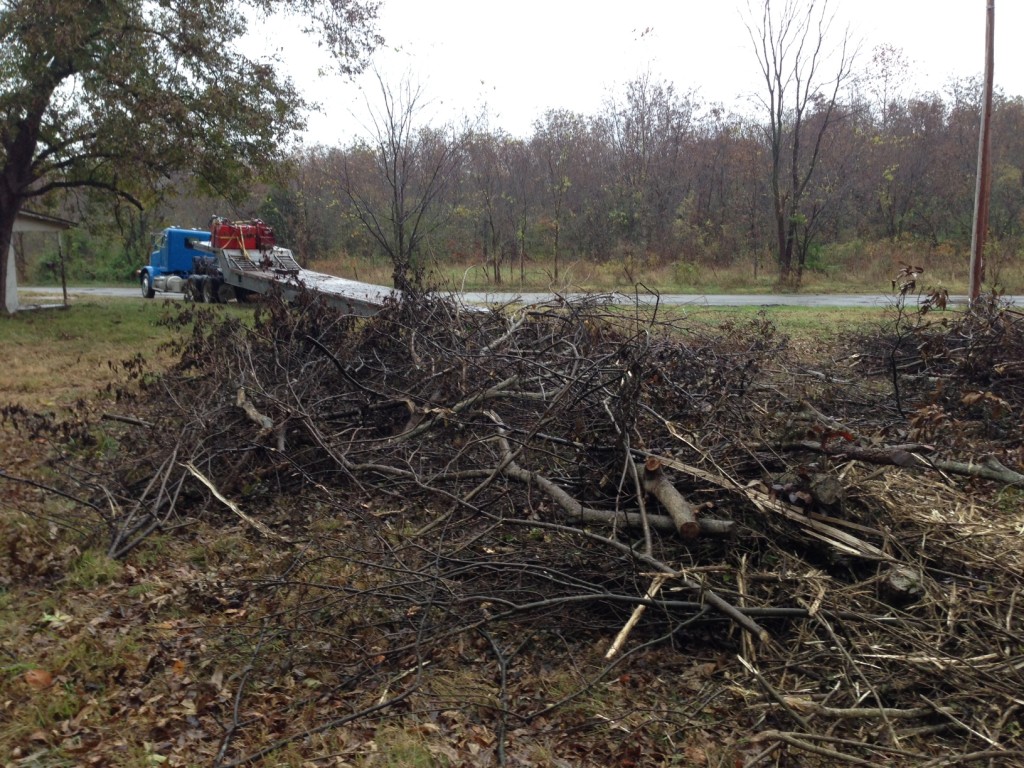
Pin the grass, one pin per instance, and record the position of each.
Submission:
(65, 607)
(54, 356)
(402, 748)
(853, 267)
(799, 321)
(93, 569)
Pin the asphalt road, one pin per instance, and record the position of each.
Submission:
(48, 295)
(713, 300)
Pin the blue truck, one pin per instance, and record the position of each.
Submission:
(175, 262)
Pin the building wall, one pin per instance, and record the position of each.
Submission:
(26, 223)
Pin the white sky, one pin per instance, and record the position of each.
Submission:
(519, 58)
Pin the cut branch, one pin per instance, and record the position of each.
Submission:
(634, 618)
(243, 402)
(656, 484)
(577, 511)
(234, 507)
(910, 457)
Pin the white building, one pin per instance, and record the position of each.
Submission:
(25, 223)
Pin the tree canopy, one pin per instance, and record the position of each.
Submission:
(118, 94)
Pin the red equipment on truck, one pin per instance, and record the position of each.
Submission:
(241, 235)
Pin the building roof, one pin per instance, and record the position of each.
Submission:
(29, 221)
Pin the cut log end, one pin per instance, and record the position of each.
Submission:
(681, 512)
(689, 530)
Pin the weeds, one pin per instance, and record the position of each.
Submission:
(93, 569)
(855, 266)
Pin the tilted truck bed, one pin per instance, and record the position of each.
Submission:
(277, 270)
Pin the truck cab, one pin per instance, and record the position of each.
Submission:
(173, 261)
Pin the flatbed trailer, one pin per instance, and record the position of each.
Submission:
(263, 272)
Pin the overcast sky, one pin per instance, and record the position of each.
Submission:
(520, 58)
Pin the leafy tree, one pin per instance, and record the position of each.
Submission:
(304, 203)
(1007, 211)
(912, 180)
(116, 95)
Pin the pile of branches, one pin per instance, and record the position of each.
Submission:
(956, 377)
(577, 485)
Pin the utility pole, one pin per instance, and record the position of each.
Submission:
(982, 183)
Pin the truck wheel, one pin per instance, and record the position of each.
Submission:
(210, 292)
(225, 293)
(147, 289)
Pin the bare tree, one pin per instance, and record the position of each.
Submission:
(557, 137)
(790, 42)
(649, 132)
(518, 165)
(486, 181)
(396, 180)
(886, 78)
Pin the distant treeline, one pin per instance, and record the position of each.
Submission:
(657, 177)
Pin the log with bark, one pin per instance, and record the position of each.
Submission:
(682, 514)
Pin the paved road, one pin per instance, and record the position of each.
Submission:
(710, 300)
(37, 295)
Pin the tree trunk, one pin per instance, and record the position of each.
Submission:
(495, 251)
(18, 173)
(557, 233)
(785, 230)
(16, 176)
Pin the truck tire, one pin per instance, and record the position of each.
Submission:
(210, 292)
(147, 289)
(225, 293)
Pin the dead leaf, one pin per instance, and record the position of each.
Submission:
(971, 398)
(57, 620)
(38, 679)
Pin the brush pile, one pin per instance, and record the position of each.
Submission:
(619, 535)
